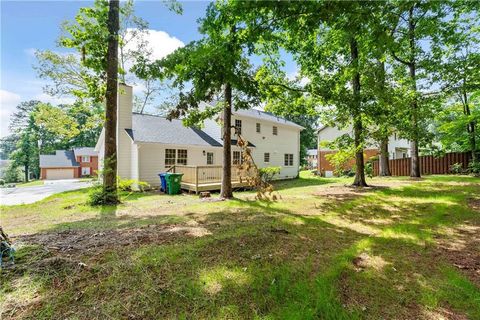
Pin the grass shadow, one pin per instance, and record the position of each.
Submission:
(271, 260)
(302, 181)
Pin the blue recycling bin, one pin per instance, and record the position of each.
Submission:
(163, 182)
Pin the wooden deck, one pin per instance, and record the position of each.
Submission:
(213, 186)
(204, 178)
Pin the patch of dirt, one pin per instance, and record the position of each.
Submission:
(70, 242)
(212, 199)
(474, 204)
(462, 249)
(443, 314)
(364, 260)
(348, 192)
(53, 264)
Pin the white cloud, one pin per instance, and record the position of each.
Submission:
(160, 42)
(8, 103)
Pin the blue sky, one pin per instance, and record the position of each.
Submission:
(30, 25)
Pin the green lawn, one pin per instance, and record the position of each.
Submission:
(402, 250)
(29, 184)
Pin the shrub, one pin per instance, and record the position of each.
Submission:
(267, 173)
(346, 173)
(340, 160)
(132, 185)
(456, 168)
(2, 182)
(12, 174)
(474, 167)
(98, 197)
(369, 169)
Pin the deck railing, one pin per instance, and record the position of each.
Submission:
(202, 174)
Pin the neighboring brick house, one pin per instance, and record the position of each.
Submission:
(69, 164)
(88, 160)
(397, 148)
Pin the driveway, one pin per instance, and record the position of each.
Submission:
(24, 195)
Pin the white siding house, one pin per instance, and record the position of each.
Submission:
(148, 145)
(274, 138)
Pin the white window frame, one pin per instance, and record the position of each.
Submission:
(85, 158)
(238, 126)
(171, 156)
(183, 159)
(275, 130)
(266, 157)
(210, 156)
(86, 171)
(288, 160)
(236, 154)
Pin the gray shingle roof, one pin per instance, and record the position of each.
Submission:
(148, 128)
(214, 130)
(312, 152)
(157, 129)
(85, 151)
(259, 114)
(266, 116)
(61, 159)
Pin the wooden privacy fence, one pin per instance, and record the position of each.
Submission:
(428, 164)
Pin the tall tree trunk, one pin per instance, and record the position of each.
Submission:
(110, 159)
(359, 160)
(26, 169)
(384, 163)
(384, 127)
(226, 189)
(415, 159)
(470, 127)
(357, 119)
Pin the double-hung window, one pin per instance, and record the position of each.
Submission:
(266, 157)
(288, 160)
(238, 126)
(275, 131)
(170, 157)
(174, 156)
(237, 158)
(182, 156)
(209, 157)
(85, 158)
(258, 127)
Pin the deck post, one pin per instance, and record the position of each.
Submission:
(196, 179)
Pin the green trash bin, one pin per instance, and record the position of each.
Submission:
(173, 182)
